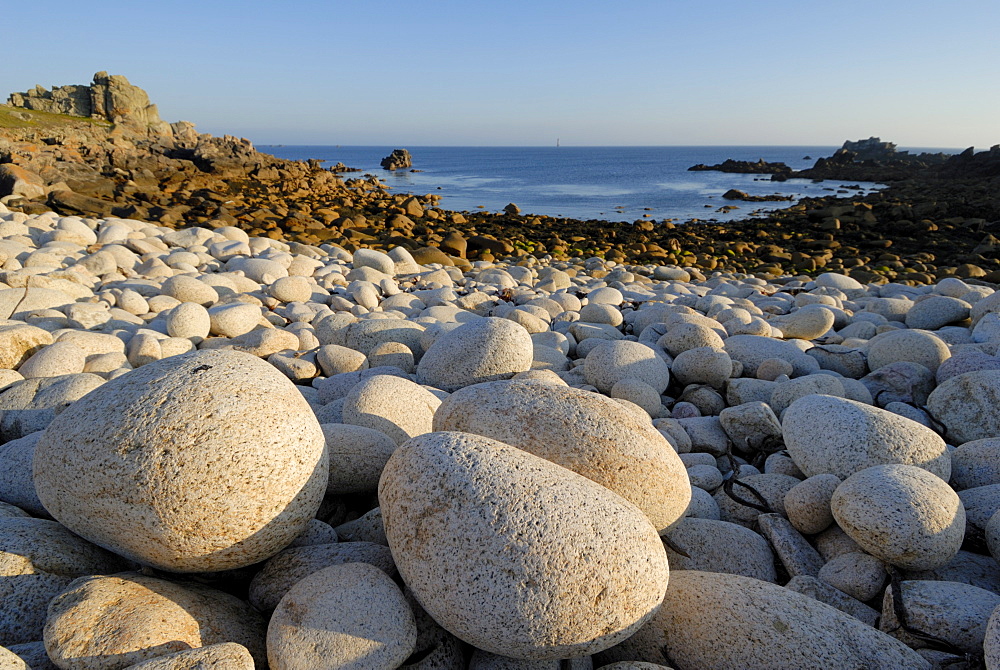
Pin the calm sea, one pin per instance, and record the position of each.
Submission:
(610, 183)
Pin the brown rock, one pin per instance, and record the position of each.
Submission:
(15, 180)
(69, 203)
(426, 255)
(455, 244)
(120, 620)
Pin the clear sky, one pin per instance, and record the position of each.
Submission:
(525, 72)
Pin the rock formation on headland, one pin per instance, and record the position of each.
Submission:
(109, 98)
(399, 159)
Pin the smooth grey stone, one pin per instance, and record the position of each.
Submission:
(794, 551)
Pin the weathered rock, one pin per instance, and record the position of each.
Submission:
(956, 613)
(857, 574)
(966, 568)
(976, 463)
(772, 487)
(244, 478)
(901, 514)
(11, 661)
(968, 405)
(702, 365)
(350, 616)
(828, 435)
(109, 97)
(484, 660)
(902, 381)
(589, 434)
(123, 619)
(823, 592)
(221, 656)
(588, 572)
(850, 362)
(991, 642)
(290, 566)
(706, 616)
(808, 503)
(17, 485)
(38, 559)
(936, 312)
(375, 403)
(752, 350)
(720, 546)
(793, 550)
(357, 456)
(19, 341)
(399, 159)
(807, 323)
(613, 361)
(992, 534)
(916, 346)
(481, 351)
(16, 180)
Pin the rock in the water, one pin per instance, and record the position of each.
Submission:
(829, 435)
(123, 619)
(350, 616)
(592, 435)
(514, 554)
(224, 461)
(901, 514)
(480, 351)
(399, 159)
(729, 622)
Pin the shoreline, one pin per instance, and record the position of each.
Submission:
(917, 230)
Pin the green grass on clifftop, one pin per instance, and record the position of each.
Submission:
(16, 117)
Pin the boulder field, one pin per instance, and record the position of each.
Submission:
(228, 451)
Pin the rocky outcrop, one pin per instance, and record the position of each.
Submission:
(872, 160)
(744, 167)
(109, 98)
(15, 180)
(399, 159)
(734, 194)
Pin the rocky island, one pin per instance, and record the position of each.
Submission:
(253, 415)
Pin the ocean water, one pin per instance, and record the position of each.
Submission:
(609, 183)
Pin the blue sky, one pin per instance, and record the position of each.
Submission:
(526, 72)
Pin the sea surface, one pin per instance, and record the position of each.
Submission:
(609, 183)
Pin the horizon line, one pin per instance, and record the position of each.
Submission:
(591, 146)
